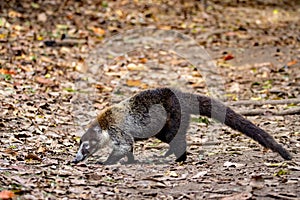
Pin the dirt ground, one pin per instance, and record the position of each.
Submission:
(61, 62)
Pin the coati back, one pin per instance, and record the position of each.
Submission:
(165, 114)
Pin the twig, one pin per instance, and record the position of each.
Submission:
(259, 103)
(7, 169)
(291, 111)
(281, 196)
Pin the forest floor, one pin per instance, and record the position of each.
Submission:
(61, 62)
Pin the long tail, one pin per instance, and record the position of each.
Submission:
(217, 110)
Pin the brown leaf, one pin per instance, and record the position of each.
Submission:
(11, 152)
(45, 81)
(25, 68)
(103, 88)
(98, 31)
(133, 83)
(143, 60)
(33, 157)
(293, 62)
(14, 14)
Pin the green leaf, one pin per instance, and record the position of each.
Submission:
(6, 77)
(35, 5)
(104, 4)
(204, 120)
(70, 90)
(281, 172)
(62, 26)
(280, 164)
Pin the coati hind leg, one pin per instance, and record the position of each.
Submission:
(174, 133)
(178, 148)
(181, 155)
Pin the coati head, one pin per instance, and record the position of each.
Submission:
(92, 140)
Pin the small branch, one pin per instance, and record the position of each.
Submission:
(282, 196)
(291, 111)
(260, 103)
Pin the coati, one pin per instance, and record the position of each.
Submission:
(165, 114)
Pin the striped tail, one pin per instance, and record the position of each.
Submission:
(217, 110)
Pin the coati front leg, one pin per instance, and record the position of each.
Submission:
(122, 146)
(119, 151)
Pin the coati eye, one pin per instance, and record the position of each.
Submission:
(86, 146)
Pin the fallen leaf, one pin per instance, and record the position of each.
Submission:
(232, 164)
(62, 26)
(143, 60)
(25, 68)
(165, 27)
(172, 174)
(98, 31)
(81, 67)
(200, 174)
(6, 194)
(5, 71)
(42, 17)
(228, 57)
(280, 164)
(14, 14)
(33, 157)
(281, 172)
(45, 81)
(133, 83)
(103, 88)
(293, 62)
(134, 67)
(240, 196)
(41, 149)
(196, 74)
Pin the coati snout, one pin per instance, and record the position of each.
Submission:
(92, 140)
(83, 152)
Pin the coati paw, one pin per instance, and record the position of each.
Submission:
(129, 162)
(100, 163)
(182, 158)
(110, 162)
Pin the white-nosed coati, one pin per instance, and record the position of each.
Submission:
(165, 114)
